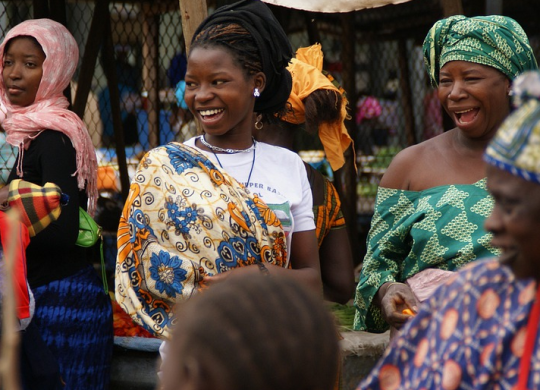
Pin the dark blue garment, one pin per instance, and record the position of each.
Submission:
(39, 367)
(177, 69)
(74, 318)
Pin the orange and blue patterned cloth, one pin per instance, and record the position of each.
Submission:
(469, 335)
(185, 219)
(328, 216)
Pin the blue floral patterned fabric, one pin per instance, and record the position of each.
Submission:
(185, 219)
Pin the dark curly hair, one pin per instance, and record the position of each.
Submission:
(254, 332)
(243, 49)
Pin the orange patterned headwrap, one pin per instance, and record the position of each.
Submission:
(306, 71)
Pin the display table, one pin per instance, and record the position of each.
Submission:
(135, 369)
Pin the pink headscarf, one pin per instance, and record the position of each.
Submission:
(49, 110)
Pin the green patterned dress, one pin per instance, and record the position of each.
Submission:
(441, 227)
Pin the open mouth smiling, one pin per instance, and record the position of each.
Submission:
(210, 113)
(466, 116)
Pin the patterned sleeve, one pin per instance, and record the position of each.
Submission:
(329, 215)
(468, 334)
(408, 349)
(388, 245)
(183, 220)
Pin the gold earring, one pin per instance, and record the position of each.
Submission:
(258, 122)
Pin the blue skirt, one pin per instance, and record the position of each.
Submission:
(74, 318)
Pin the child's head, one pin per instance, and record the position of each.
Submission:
(264, 333)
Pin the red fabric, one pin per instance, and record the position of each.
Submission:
(530, 343)
(21, 240)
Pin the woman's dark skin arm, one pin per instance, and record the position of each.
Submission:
(337, 266)
(392, 298)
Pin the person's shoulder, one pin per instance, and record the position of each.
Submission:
(278, 152)
(413, 162)
(191, 141)
(415, 154)
(51, 139)
(480, 275)
(51, 135)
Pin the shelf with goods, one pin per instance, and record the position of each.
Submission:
(371, 168)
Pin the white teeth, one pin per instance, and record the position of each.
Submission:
(210, 112)
(464, 111)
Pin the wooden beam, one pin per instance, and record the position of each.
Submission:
(406, 93)
(114, 93)
(346, 177)
(41, 9)
(88, 65)
(193, 12)
(494, 7)
(452, 7)
(150, 73)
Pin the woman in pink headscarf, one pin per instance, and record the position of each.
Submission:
(73, 314)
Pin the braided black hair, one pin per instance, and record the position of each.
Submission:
(235, 39)
(257, 41)
(322, 106)
(256, 332)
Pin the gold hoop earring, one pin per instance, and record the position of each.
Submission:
(258, 122)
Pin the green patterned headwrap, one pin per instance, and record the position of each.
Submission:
(496, 41)
(516, 145)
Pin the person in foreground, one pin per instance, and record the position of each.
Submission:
(72, 312)
(432, 200)
(480, 328)
(29, 210)
(221, 203)
(321, 108)
(280, 333)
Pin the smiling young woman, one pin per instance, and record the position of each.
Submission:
(432, 200)
(221, 203)
(73, 314)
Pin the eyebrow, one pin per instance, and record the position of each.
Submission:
(465, 72)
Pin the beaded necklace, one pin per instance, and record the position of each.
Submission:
(229, 151)
(252, 162)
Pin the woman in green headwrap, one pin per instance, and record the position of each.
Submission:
(432, 201)
(479, 331)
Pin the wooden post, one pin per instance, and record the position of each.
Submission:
(150, 73)
(41, 9)
(406, 94)
(452, 7)
(314, 35)
(57, 10)
(347, 189)
(114, 93)
(193, 13)
(95, 37)
(494, 7)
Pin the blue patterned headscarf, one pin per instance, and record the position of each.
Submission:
(516, 145)
(496, 41)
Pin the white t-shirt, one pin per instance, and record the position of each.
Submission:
(278, 177)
